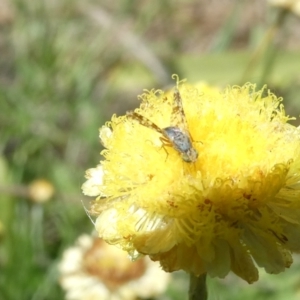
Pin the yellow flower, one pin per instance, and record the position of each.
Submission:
(93, 270)
(40, 190)
(292, 5)
(236, 206)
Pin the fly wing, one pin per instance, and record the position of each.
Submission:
(178, 118)
(144, 121)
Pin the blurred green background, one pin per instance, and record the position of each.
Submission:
(66, 66)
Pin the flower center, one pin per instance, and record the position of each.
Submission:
(111, 265)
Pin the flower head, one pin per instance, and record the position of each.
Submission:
(93, 270)
(292, 5)
(40, 190)
(236, 205)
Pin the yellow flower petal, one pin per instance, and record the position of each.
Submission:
(92, 187)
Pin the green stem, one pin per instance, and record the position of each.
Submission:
(197, 290)
(264, 46)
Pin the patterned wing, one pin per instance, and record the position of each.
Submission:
(144, 121)
(176, 135)
(178, 118)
